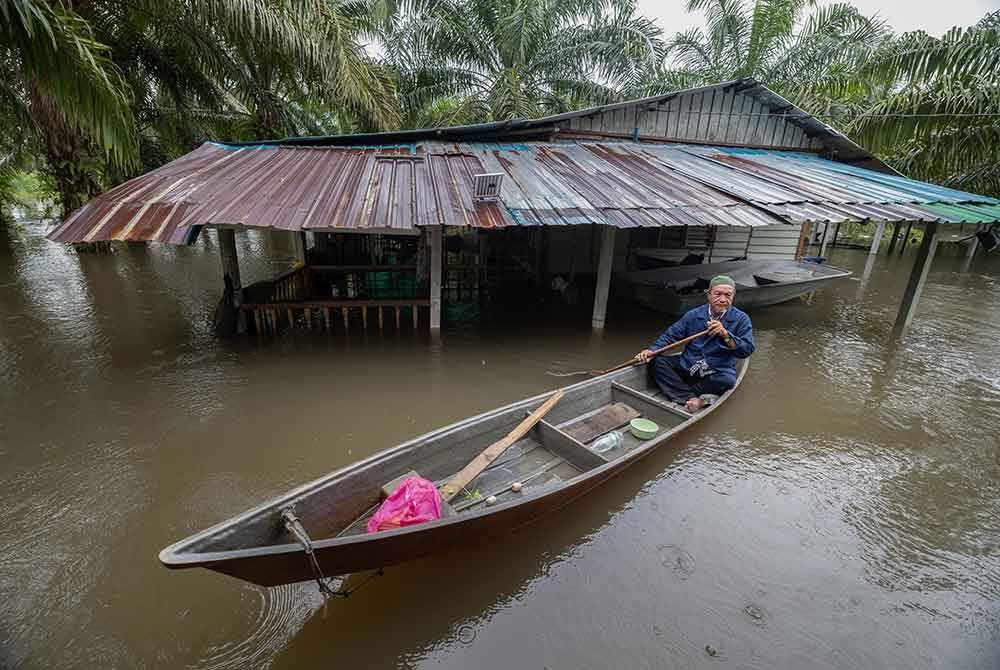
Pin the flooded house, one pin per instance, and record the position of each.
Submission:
(409, 229)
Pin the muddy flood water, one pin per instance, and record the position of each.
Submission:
(842, 510)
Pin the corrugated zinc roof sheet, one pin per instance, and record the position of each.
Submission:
(286, 189)
(401, 187)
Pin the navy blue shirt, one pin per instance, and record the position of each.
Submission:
(717, 355)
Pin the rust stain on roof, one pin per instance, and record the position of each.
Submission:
(387, 188)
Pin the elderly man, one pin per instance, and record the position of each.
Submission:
(708, 364)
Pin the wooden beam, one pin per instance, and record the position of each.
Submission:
(603, 288)
(918, 276)
(480, 462)
(435, 243)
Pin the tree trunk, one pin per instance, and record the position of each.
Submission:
(68, 151)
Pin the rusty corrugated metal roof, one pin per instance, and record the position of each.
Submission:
(392, 187)
(381, 188)
(285, 189)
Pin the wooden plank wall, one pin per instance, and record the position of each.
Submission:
(717, 116)
(778, 241)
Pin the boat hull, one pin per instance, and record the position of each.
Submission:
(674, 290)
(271, 564)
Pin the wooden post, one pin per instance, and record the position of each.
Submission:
(895, 236)
(803, 244)
(877, 239)
(836, 234)
(299, 246)
(230, 261)
(397, 319)
(921, 266)
(603, 288)
(343, 313)
(435, 242)
(231, 268)
(822, 246)
(326, 317)
(906, 238)
(539, 259)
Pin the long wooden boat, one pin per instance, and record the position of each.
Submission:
(554, 463)
(759, 283)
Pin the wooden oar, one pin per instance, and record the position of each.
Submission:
(656, 352)
(450, 489)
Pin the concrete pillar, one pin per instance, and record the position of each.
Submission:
(973, 245)
(606, 259)
(299, 246)
(435, 242)
(969, 253)
(866, 275)
(915, 286)
(877, 239)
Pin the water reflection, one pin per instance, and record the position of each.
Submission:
(842, 511)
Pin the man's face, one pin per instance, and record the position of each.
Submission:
(721, 297)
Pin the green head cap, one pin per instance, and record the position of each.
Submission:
(722, 280)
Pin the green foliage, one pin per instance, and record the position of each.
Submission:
(928, 106)
(107, 89)
(935, 106)
(485, 60)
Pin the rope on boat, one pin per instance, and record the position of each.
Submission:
(298, 531)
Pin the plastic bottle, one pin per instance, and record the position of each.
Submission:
(610, 441)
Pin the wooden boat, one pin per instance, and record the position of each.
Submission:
(759, 283)
(554, 463)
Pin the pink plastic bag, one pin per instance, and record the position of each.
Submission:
(416, 500)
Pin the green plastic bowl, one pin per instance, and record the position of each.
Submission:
(644, 429)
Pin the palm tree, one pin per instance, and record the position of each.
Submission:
(57, 78)
(146, 79)
(503, 59)
(807, 53)
(935, 106)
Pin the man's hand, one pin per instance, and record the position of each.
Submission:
(644, 356)
(716, 328)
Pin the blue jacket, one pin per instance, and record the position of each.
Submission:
(717, 355)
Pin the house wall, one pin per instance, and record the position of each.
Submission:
(778, 241)
(717, 116)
